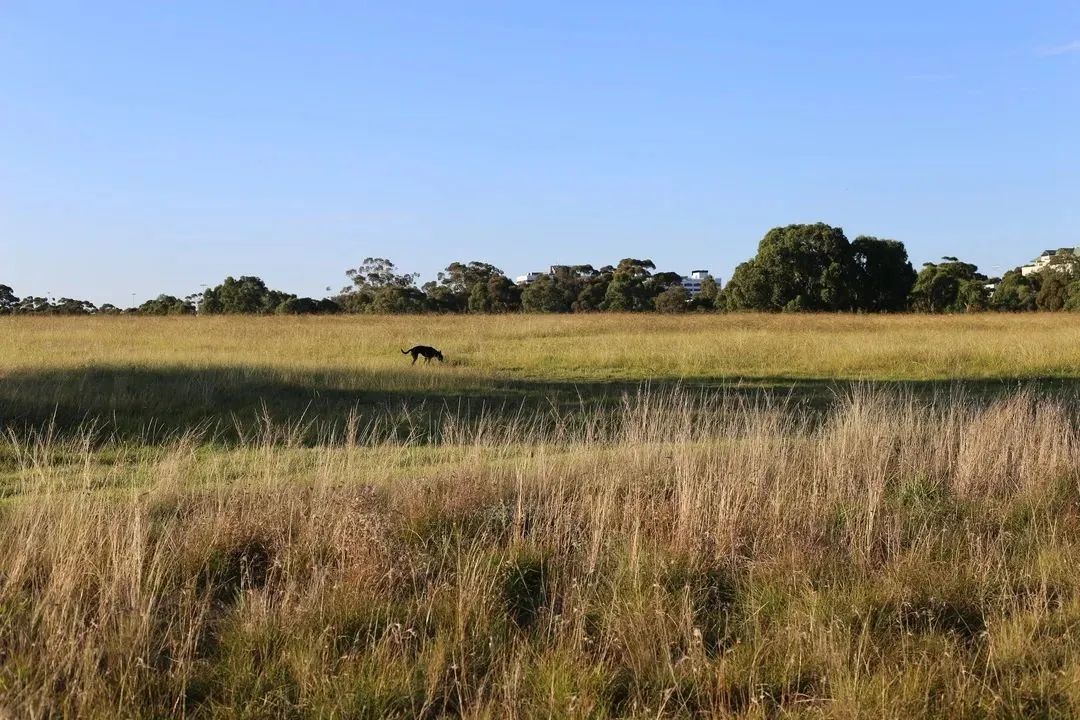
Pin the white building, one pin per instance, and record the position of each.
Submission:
(528, 278)
(1047, 260)
(692, 282)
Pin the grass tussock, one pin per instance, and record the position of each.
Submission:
(677, 555)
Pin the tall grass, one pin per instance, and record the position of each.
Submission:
(363, 351)
(147, 378)
(682, 554)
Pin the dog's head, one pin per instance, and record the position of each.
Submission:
(438, 354)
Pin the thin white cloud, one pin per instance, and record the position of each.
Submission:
(1066, 49)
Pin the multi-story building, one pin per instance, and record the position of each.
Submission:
(692, 282)
(1049, 258)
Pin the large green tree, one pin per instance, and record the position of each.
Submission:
(246, 295)
(592, 287)
(8, 301)
(378, 287)
(547, 294)
(307, 306)
(1054, 291)
(950, 286)
(565, 288)
(798, 267)
(674, 299)
(476, 287)
(166, 305)
(708, 297)
(630, 289)
(883, 276)
(376, 273)
(1060, 283)
(1015, 292)
(393, 300)
(498, 294)
(73, 306)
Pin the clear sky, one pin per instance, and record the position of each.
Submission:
(151, 147)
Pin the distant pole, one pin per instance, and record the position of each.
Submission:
(133, 301)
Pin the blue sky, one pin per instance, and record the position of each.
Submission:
(153, 147)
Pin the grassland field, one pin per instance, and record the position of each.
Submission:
(132, 375)
(750, 516)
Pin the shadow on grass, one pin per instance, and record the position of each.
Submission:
(230, 404)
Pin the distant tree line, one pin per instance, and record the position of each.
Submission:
(796, 268)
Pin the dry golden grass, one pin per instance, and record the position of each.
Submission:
(583, 348)
(676, 553)
(689, 556)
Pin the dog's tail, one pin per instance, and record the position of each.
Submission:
(404, 352)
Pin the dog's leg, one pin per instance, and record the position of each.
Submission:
(414, 358)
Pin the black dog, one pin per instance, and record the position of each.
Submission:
(427, 352)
